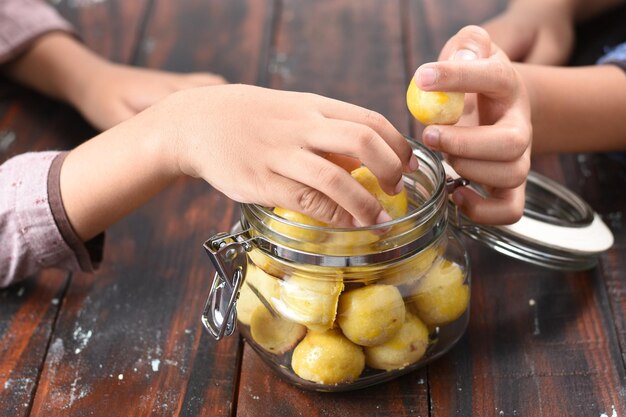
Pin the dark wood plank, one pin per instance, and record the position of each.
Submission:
(597, 178)
(130, 335)
(347, 50)
(110, 28)
(228, 38)
(444, 18)
(30, 122)
(28, 311)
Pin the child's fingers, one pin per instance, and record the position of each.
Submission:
(346, 162)
(491, 173)
(502, 141)
(502, 207)
(335, 109)
(492, 77)
(197, 79)
(360, 142)
(317, 173)
(547, 50)
(109, 116)
(290, 194)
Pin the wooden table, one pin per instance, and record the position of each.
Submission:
(127, 341)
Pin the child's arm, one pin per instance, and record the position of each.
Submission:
(255, 145)
(578, 109)
(60, 66)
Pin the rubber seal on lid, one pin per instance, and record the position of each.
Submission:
(558, 229)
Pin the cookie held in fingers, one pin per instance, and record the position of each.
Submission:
(434, 107)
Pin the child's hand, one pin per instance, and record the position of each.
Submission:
(117, 92)
(534, 31)
(490, 145)
(278, 148)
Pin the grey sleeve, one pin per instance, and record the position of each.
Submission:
(23, 21)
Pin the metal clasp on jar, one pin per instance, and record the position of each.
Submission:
(452, 184)
(227, 252)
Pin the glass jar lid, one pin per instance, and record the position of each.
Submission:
(558, 229)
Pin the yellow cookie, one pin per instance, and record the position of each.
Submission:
(310, 300)
(409, 271)
(265, 285)
(327, 358)
(371, 315)
(440, 296)
(396, 205)
(350, 242)
(301, 234)
(405, 348)
(274, 334)
(434, 107)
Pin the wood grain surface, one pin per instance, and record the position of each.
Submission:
(127, 340)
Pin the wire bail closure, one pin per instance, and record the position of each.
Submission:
(228, 255)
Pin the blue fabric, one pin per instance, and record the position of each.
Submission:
(613, 55)
(616, 55)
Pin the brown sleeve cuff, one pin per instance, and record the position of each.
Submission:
(88, 254)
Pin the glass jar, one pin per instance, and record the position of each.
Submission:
(339, 309)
